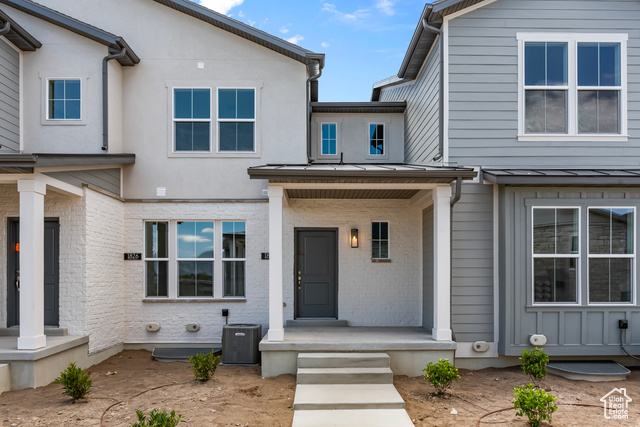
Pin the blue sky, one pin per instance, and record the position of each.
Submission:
(364, 40)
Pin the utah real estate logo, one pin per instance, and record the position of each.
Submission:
(616, 404)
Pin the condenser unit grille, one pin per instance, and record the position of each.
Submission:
(240, 344)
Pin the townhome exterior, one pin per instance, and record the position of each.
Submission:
(541, 99)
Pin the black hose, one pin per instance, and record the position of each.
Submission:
(624, 349)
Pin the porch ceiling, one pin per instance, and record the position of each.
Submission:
(349, 194)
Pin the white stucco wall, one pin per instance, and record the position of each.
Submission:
(369, 293)
(175, 315)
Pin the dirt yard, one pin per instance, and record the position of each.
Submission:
(238, 396)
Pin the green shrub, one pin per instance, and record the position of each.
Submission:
(204, 365)
(157, 419)
(440, 375)
(76, 381)
(535, 403)
(534, 364)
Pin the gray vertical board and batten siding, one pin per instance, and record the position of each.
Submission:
(571, 330)
(472, 311)
(421, 116)
(483, 83)
(427, 268)
(9, 98)
(105, 179)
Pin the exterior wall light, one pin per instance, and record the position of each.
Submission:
(354, 238)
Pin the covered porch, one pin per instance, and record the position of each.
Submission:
(397, 302)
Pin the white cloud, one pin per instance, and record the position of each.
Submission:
(196, 239)
(324, 45)
(295, 39)
(241, 14)
(220, 6)
(386, 7)
(207, 230)
(284, 30)
(343, 16)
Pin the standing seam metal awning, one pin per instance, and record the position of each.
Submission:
(556, 177)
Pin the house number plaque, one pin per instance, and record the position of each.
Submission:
(131, 256)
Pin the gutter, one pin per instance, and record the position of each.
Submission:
(427, 27)
(315, 71)
(5, 29)
(105, 96)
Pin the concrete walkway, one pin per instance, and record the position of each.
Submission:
(347, 389)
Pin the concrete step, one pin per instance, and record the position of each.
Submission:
(347, 396)
(352, 418)
(316, 323)
(49, 331)
(345, 376)
(343, 360)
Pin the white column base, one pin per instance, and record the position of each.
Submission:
(32, 343)
(441, 334)
(275, 334)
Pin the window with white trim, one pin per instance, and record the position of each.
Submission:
(376, 139)
(192, 119)
(195, 258)
(236, 120)
(234, 258)
(599, 269)
(572, 85)
(156, 258)
(380, 240)
(329, 139)
(64, 99)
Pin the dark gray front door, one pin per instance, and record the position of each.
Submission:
(51, 272)
(316, 276)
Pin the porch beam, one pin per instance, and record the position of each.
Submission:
(442, 264)
(31, 282)
(357, 186)
(422, 199)
(276, 298)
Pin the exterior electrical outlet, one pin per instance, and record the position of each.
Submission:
(193, 327)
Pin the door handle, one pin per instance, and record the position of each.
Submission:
(18, 280)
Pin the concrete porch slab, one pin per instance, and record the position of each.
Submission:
(352, 417)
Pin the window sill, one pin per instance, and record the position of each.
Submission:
(193, 300)
(381, 260)
(210, 154)
(563, 138)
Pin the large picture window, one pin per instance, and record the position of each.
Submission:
(195, 259)
(236, 120)
(572, 85)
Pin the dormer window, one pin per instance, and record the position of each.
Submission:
(572, 86)
(64, 99)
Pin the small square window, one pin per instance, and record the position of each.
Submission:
(192, 119)
(64, 99)
(236, 118)
(380, 240)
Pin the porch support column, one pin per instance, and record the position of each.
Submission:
(31, 264)
(442, 263)
(276, 317)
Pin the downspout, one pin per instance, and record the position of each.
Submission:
(5, 29)
(314, 74)
(105, 96)
(454, 199)
(438, 31)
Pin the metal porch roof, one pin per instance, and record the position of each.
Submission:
(25, 163)
(556, 177)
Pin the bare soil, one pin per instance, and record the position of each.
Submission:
(238, 396)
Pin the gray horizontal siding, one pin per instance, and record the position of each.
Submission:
(483, 82)
(472, 264)
(422, 113)
(578, 330)
(105, 179)
(9, 98)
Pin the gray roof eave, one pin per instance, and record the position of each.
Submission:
(358, 107)
(62, 160)
(245, 31)
(18, 35)
(568, 177)
(113, 42)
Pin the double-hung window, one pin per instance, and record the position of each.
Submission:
(583, 255)
(236, 120)
(233, 258)
(195, 258)
(192, 120)
(156, 258)
(379, 240)
(572, 86)
(64, 99)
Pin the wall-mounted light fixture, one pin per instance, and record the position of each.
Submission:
(354, 238)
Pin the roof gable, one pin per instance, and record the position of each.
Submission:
(245, 31)
(113, 42)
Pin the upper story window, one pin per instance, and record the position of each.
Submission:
(64, 99)
(376, 139)
(572, 86)
(236, 120)
(192, 120)
(329, 139)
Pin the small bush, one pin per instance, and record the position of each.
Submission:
(534, 364)
(440, 375)
(76, 381)
(157, 419)
(204, 365)
(535, 403)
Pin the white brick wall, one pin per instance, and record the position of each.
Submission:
(173, 316)
(369, 294)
